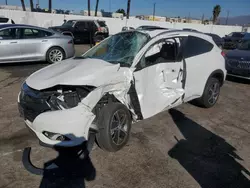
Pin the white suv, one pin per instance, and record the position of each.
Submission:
(128, 77)
(4, 20)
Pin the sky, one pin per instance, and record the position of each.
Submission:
(182, 8)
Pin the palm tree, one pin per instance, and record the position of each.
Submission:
(23, 5)
(31, 5)
(88, 7)
(96, 7)
(128, 8)
(216, 13)
(50, 6)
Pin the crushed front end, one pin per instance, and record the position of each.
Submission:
(54, 114)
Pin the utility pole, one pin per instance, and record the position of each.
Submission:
(227, 16)
(37, 4)
(109, 5)
(88, 7)
(189, 17)
(50, 6)
(154, 12)
(202, 19)
(6, 2)
(128, 9)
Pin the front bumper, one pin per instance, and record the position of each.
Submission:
(238, 69)
(73, 123)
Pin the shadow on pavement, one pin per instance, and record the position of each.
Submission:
(208, 158)
(70, 169)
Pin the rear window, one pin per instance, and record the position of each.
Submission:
(238, 35)
(4, 20)
(102, 24)
(196, 46)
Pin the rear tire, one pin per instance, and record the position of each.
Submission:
(114, 124)
(55, 54)
(211, 93)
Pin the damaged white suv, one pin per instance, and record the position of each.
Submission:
(128, 77)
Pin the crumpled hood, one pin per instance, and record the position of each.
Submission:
(94, 72)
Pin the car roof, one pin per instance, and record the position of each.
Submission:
(174, 32)
(19, 25)
(94, 19)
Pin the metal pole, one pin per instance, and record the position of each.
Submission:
(6, 2)
(227, 16)
(109, 5)
(154, 12)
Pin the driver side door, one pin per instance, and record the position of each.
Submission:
(159, 76)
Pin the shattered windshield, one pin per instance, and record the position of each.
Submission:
(120, 48)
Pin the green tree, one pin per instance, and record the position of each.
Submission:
(216, 13)
(122, 11)
(23, 5)
(96, 7)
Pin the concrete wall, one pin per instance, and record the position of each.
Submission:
(115, 25)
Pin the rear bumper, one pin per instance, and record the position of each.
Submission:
(70, 51)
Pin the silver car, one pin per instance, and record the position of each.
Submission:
(23, 43)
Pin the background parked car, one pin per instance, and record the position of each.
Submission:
(20, 43)
(231, 41)
(127, 28)
(188, 29)
(149, 27)
(238, 61)
(83, 30)
(217, 39)
(4, 20)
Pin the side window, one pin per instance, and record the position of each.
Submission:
(29, 33)
(8, 34)
(163, 51)
(81, 26)
(196, 46)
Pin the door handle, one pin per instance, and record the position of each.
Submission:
(44, 40)
(14, 42)
(163, 74)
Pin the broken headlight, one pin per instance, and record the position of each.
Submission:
(68, 97)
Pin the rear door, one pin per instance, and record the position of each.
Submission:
(9, 45)
(199, 65)
(32, 41)
(81, 33)
(159, 76)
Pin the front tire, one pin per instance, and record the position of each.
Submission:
(55, 54)
(211, 93)
(114, 124)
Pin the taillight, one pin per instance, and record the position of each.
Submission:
(70, 42)
(223, 54)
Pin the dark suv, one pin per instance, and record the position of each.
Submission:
(238, 61)
(233, 39)
(83, 30)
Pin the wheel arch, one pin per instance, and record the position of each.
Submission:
(219, 74)
(64, 52)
